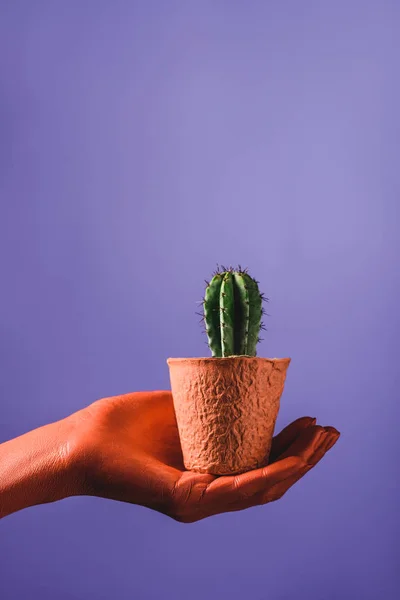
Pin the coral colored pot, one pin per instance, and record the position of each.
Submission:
(226, 410)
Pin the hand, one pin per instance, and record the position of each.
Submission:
(127, 448)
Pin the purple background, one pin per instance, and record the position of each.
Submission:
(140, 144)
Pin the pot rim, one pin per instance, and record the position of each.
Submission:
(233, 358)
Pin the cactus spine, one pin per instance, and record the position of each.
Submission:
(232, 313)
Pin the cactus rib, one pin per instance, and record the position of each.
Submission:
(227, 315)
(211, 314)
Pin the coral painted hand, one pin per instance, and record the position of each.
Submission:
(127, 448)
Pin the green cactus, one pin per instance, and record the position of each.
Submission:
(232, 313)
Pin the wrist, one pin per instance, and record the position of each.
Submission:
(38, 467)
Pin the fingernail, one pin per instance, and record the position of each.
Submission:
(332, 430)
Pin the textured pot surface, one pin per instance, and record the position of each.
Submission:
(226, 410)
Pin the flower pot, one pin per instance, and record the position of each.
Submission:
(226, 409)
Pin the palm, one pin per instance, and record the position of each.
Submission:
(139, 459)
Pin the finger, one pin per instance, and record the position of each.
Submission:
(305, 444)
(332, 430)
(280, 488)
(287, 436)
(307, 450)
(330, 440)
(231, 488)
(239, 490)
(234, 489)
(290, 464)
(278, 478)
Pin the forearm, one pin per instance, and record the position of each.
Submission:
(36, 468)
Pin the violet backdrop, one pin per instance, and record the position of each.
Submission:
(140, 144)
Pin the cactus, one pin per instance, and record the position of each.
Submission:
(232, 313)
